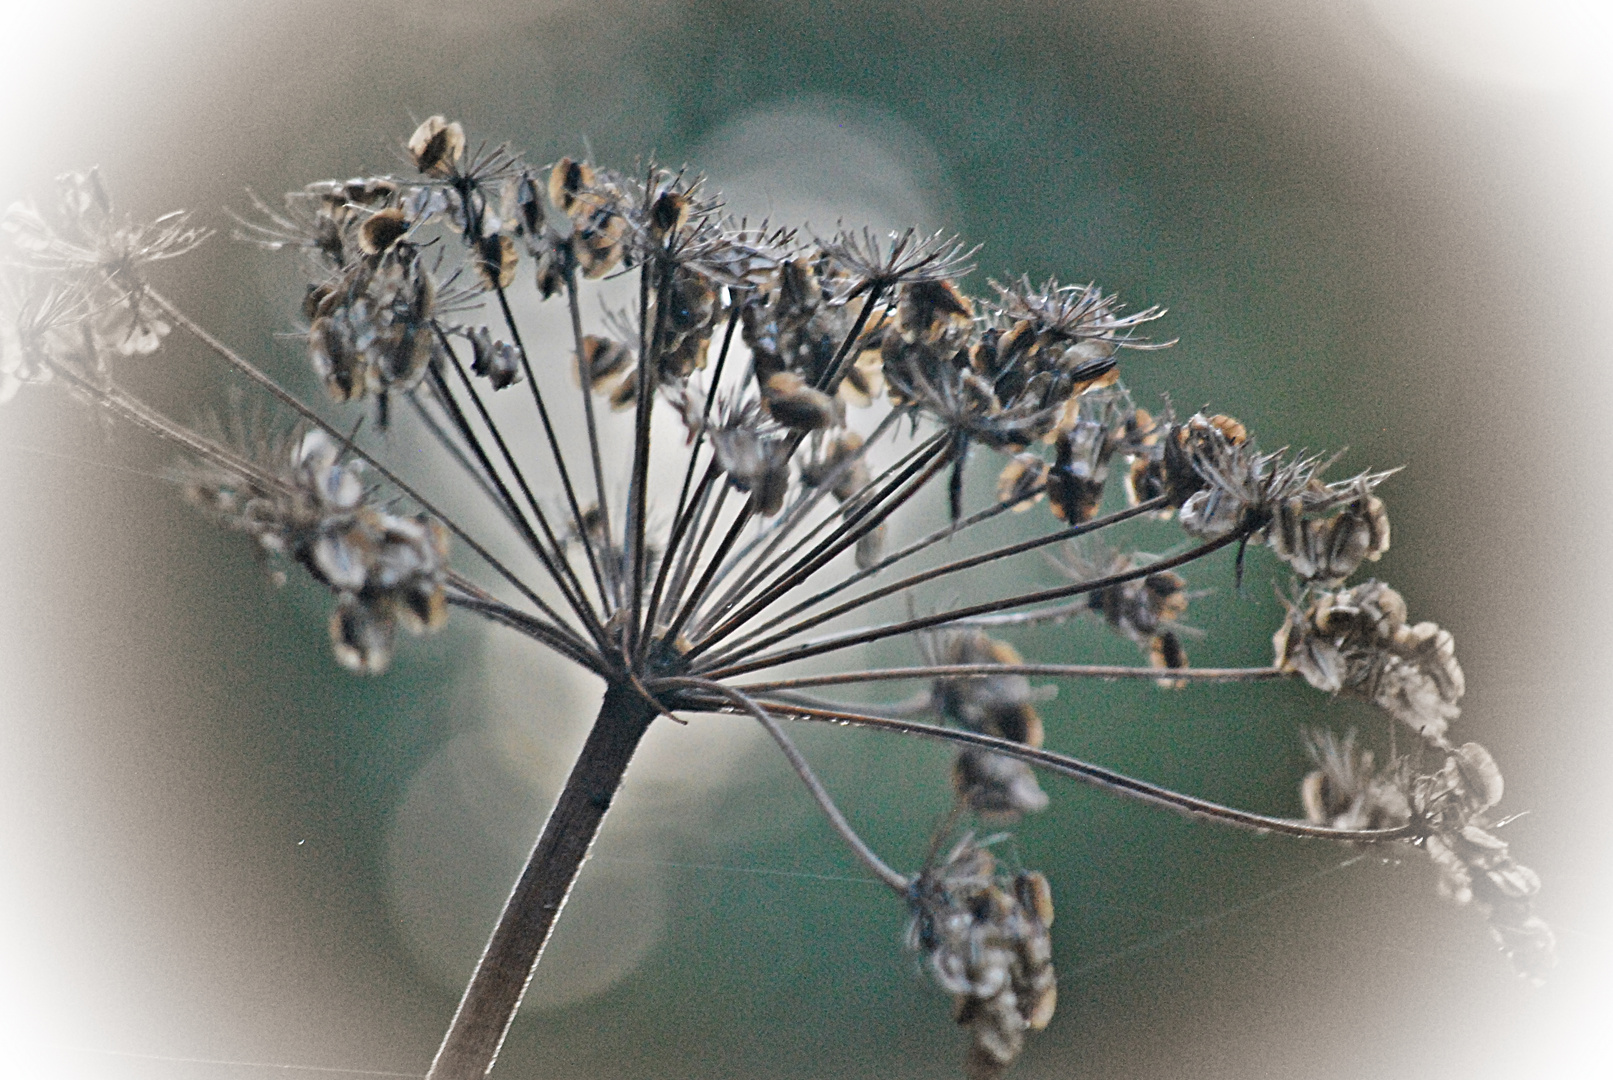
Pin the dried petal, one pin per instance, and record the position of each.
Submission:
(437, 146)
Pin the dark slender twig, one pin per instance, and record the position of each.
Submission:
(699, 591)
(705, 411)
(750, 640)
(1094, 775)
(689, 557)
(530, 627)
(548, 427)
(440, 434)
(778, 533)
(682, 517)
(638, 487)
(553, 556)
(862, 637)
(574, 308)
(679, 527)
(946, 532)
(798, 762)
(857, 524)
(1063, 671)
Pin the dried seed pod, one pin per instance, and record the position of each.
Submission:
(1146, 611)
(870, 547)
(569, 181)
(598, 242)
(1165, 651)
(602, 359)
(1076, 480)
(1327, 550)
(756, 463)
(1022, 482)
(931, 312)
(336, 359)
(369, 190)
(865, 379)
(797, 406)
(437, 146)
(385, 569)
(495, 261)
(668, 213)
(839, 463)
(597, 210)
(1476, 866)
(554, 266)
(1000, 705)
(361, 639)
(625, 394)
(525, 206)
(497, 361)
(996, 787)
(381, 230)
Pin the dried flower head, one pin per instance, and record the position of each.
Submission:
(301, 500)
(1358, 641)
(1145, 610)
(816, 391)
(984, 937)
(997, 788)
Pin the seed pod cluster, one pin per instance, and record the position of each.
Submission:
(1326, 541)
(795, 323)
(596, 204)
(370, 329)
(1358, 642)
(1209, 470)
(997, 787)
(985, 939)
(325, 220)
(386, 569)
(937, 359)
(1476, 866)
(1449, 807)
(1145, 610)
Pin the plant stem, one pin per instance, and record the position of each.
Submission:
(1063, 671)
(485, 1012)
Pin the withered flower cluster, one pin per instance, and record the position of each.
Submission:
(1146, 611)
(822, 385)
(985, 937)
(997, 788)
(299, 499)
(1358, 641)
(1449, 809)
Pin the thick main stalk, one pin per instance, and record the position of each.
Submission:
(479, 1026)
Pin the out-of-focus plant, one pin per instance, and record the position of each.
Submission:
(822, 385)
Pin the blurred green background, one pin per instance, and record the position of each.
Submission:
(1374, 226)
